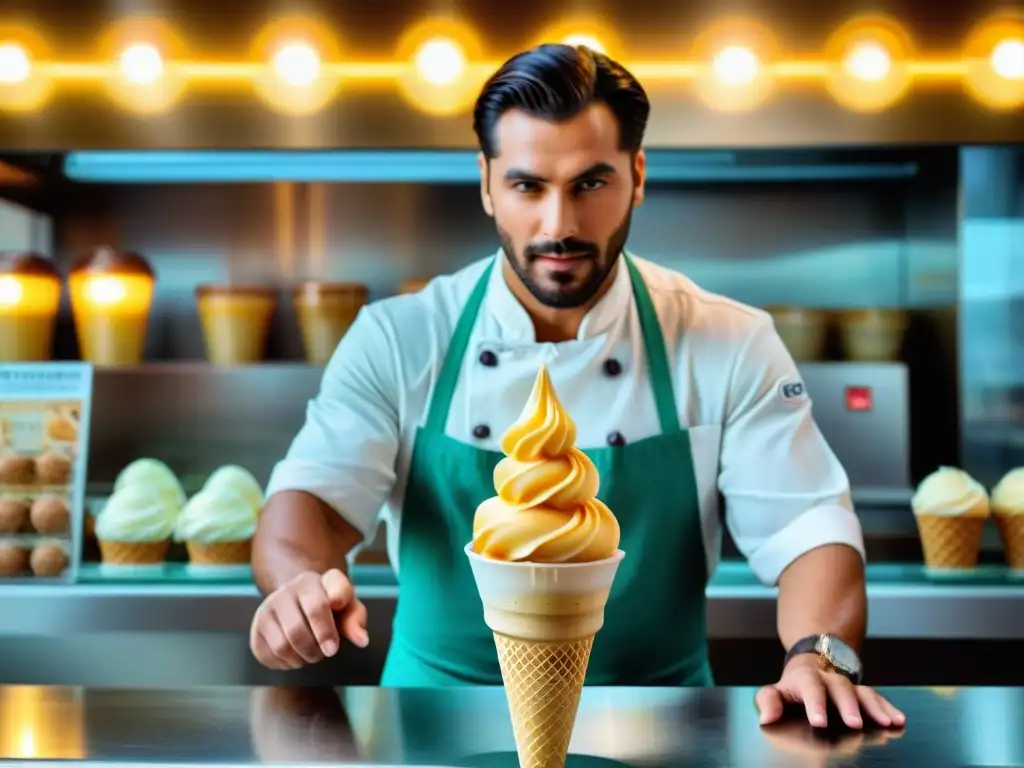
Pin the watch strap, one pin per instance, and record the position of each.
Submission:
(810, 644)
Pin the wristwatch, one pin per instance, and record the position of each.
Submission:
(834, 654)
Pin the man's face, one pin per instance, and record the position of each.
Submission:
(561, 195)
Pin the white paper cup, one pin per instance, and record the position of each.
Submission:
(544, 601)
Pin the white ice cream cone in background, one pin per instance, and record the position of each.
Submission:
(544, 617)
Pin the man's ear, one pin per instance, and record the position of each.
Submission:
(639, 177)
(485, 181)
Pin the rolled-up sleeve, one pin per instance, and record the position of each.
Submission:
(345, 451)
(785, 491)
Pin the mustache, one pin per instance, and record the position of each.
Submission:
(569, 245)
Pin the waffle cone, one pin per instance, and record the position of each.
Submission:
(543, 682)
(133, 552)
(219, 552)
(1011, 531)
(950, 541)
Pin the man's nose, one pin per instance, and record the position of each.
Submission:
(560, 220)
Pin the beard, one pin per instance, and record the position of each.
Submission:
(569, 290)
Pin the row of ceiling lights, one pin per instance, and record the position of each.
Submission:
(868, 65)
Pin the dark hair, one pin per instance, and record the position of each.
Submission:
(557, 82)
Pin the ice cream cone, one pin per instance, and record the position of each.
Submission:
(544, 617)
(950, 541)
(950, 507)
(133, 552)
(219, 553)
(1011, 531)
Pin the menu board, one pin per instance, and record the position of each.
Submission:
(44, 439)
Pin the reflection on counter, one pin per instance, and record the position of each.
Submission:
(41, 723)
(470, 727)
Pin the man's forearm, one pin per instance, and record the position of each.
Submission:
(297, 533)
(823, 592)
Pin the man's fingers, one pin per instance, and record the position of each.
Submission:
(278, 644)
(296, 629)
(353, 623)
(769, 704)
(878, 709)
(338, 589)
(844, 696)
(315, 605)
(810, 689)
(263, 654)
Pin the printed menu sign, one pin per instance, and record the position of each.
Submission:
(44, 438)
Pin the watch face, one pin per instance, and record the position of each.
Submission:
(843, 656)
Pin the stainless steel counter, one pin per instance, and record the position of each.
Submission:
(470, 727)
(903, 603)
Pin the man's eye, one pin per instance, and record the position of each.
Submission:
(590, 185)
(526, 187)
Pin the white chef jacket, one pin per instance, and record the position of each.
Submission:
(737, 390)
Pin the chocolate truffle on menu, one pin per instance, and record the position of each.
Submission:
(13, 560)
(13, 515)
(17, 470)
(53, 468)
(48, 560)
(50, 514)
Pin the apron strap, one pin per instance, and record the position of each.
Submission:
(444, 388)
(657, 357)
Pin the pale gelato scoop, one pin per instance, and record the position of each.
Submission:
(239, 480)
(950, 492)
(1008, 495)
(546, 510)
(214, 515)
(153, 474)
(136, 513)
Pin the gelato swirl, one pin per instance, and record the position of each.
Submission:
(1008, 495)
(153, 474)
(950, 492)
(216, 515)
(136, 513)
(546, 510)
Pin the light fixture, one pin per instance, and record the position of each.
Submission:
(141, 64)
(297, 64)
(15, 66)
(440, 77)
(994, 62)
(440, 61)
(736, 71)
(301, 75)
(736, 65)
(868, 61)
(1008, 59)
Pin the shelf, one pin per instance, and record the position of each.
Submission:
(432, 166)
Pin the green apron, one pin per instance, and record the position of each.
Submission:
(654, 631)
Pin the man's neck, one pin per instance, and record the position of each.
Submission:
(553, 324)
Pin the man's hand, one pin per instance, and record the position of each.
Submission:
(803, 681)
(296, 624)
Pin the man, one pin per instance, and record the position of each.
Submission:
(678, 394)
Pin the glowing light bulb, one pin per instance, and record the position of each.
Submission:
(1008, 59)
(15, 66)
(869, 61)
(142, 64)
(736, 65)
(440, 61)
(297, 64)
(588, 41)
